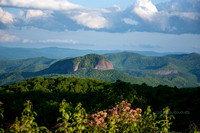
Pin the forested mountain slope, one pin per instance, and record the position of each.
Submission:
(26, 65)
(183, 66)
(173, 70)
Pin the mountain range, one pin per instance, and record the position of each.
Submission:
(10, 53)
(181, 70)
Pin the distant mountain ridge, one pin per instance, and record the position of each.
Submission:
(10, 53)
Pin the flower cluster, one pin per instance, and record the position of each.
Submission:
(98, 119)
(121, 114)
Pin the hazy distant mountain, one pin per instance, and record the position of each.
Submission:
(59, 53)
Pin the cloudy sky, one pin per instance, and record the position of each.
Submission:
(142, 25)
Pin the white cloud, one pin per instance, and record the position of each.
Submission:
(6, 17)
(36, 13)
(27, 41)
(145, 9)
(4, 37)
(91, 19)
(187, 15)
(21, 13)
(61, 15)
(130, 21)
(58, 41)
(116, 8)
(40, 4)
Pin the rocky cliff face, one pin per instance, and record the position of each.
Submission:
(165, 72)
(91, 61)
(104, 64)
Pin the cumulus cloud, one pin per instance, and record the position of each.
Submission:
(130, 21)
(6, 17)
(35, 13)
(61, 15)
(90, 19)
(145, 9)
(4, 37)
(41, 4)
(114, 8)
(179, 14)
(187, 15)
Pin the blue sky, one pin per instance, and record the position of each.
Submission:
(108, 3)
(139, 25)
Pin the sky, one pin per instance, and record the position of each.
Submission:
(138, 25)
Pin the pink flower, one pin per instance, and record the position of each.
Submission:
(128, 108)
(124, 109)
(139, 110)
(117, 116)
(105, 114)
(132, 111)
(114, 108)
(115, 112)
(133, 119)
(110, 110)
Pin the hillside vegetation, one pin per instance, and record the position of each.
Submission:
(26, 65)
(46, 95)
(172, 70)
(175, 68)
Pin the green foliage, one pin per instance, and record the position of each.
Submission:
(149, 122)
(120, 118)
(187, 66)
(1, 117)
(26, 123)
(96, 95)
(1, 111)
(25, 65)
(65, 126)
(165, 124)
(75, 122)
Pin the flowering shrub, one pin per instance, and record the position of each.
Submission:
(120, 118)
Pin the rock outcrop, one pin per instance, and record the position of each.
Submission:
(91, 61)
(104, 64)
(167, 72)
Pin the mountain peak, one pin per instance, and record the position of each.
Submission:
(90, 61)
